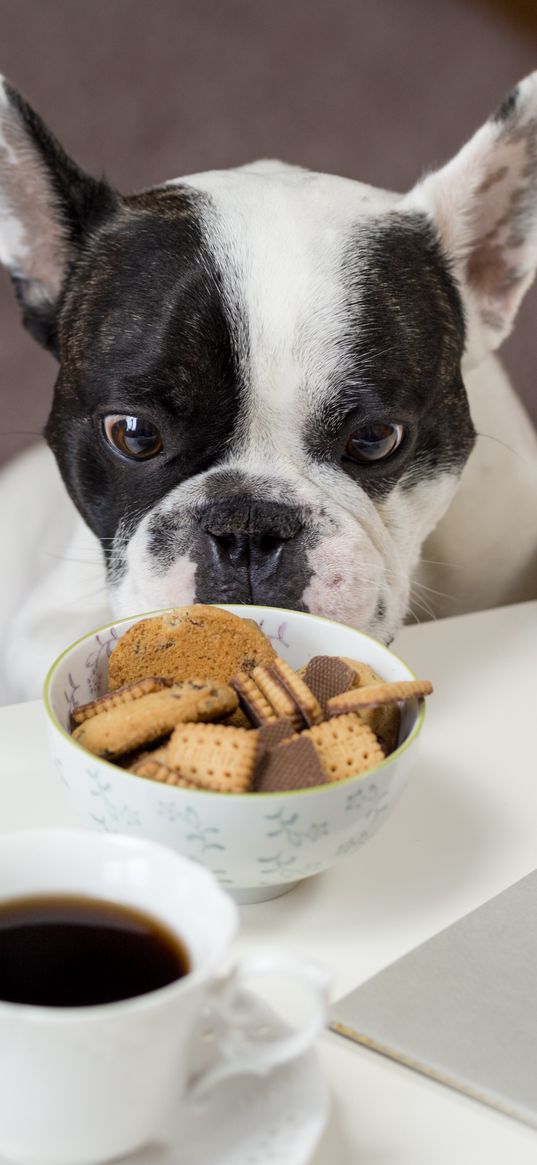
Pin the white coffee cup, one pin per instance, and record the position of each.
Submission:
(81, 1085)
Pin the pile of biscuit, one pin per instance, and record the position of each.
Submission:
(198, 698)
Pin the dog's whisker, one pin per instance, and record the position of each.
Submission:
(411, 612)
(81, 599)
(420, 602)
(498, 440)
(72, 559)
(439, 562)
(432, 591)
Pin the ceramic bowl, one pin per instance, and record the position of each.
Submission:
(257, 845)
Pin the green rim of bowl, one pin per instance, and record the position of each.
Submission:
(420, 719)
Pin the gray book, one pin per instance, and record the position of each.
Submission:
(462, 1007)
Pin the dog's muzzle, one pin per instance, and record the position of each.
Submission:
(249, 550)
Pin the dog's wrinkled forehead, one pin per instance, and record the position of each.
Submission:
(288, 288)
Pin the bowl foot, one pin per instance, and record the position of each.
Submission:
(244, 896)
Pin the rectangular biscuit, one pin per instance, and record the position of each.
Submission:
(123, 695)
(279, 699)
(377, 694)
(214, 756)
(252, 701)
(306, 702)
(346, 747)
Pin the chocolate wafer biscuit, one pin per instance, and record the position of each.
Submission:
(279, 699)
(214, 757)
(376, 694)
(293, 764)
(298, 690)
(128, 726)
(252, 700)
(346, 747)
(121, 695)
(327, 676)
(268, 737)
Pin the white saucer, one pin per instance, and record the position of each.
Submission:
(275, 1119)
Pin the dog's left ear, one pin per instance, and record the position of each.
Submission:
(48, 207)
(484, 207)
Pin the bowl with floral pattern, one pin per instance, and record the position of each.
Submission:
(258, 845)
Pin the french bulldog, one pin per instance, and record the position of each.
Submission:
(273, 386)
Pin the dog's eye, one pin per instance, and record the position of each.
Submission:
(374, 442)
(132, 436)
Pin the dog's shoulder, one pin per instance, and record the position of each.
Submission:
(483, 553)
(52, 585)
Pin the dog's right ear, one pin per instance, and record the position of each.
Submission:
(483, 204)
(48, 206)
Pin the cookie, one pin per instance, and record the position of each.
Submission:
(200, 641)
(122, 695)
(237, 719)
(375, 694)
(346, 747)
(278, 698)
(269, 735)
(128, 726)
(327, 676)
(293, 764)
(154, 766)
(298, 690)
(364, 673)
(252, 701)
(384, 720)
(214, 757)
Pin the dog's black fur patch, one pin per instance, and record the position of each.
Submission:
(404, 343)
(507, 106)
(143, 331)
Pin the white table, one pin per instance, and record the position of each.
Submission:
(464, 830)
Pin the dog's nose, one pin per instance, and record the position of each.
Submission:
(251, 551)
(247, 532)
(237, 547)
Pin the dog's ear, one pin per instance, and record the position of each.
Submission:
(484, 206)
(48, 206)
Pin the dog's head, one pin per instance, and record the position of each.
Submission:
(260, 395)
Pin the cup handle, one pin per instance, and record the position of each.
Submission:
(235, 1051)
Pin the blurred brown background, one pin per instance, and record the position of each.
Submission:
(145, 90)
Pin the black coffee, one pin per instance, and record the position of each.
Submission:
(62, 951)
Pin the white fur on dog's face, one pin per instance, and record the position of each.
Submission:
(280, 238)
